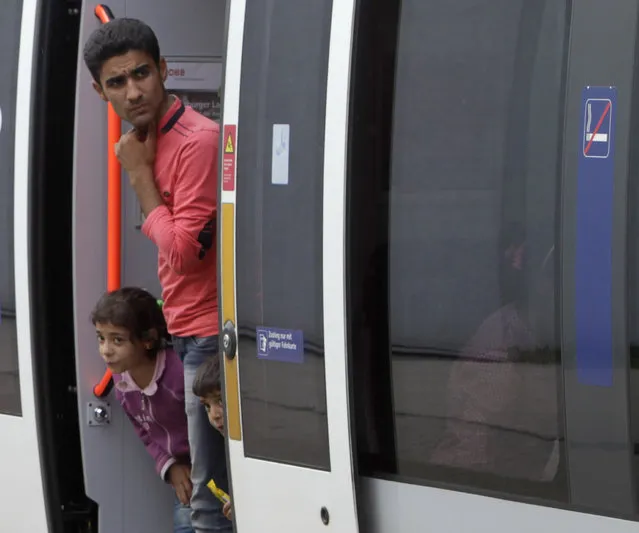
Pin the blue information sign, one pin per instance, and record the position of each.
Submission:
(593, 261)
(277, 344)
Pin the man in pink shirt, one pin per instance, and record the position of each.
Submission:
(170, 156)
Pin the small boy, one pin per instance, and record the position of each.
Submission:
(207, 386)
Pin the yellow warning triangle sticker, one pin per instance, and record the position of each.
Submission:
(229, 145)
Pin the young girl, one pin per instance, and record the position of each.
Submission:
(149, 383)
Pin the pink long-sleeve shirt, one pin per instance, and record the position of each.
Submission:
(184, 227)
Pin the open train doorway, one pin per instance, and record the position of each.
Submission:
(119, 473)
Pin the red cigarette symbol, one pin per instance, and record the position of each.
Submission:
(597, 127)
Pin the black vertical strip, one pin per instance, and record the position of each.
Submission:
(632, 281)
(50, 258)
(37, 283)
(367, 240)
(563, 468)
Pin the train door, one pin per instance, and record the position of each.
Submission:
(282, 265)
(492, 265)
(17, 397)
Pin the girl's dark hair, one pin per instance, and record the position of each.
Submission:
(137, 311)
(208, 378)
(116, 38)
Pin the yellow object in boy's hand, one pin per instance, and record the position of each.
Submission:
(218, 492)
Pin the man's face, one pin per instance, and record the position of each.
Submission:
(134, 85)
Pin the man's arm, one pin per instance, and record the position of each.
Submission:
(185, 236)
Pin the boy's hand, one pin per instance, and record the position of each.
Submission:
(180, 478)
(228, 510)
(134, 152)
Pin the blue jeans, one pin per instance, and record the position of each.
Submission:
(208, 453)
(181, 518)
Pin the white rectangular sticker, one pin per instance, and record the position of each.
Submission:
(194, 76)
(279, 164)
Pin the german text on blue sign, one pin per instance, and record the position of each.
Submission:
(593, 259)
(277, 344)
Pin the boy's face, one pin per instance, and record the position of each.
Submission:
(215, 410)
(134, 85)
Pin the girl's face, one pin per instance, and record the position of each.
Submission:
(120, 352)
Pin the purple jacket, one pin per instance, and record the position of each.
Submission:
(157, 412)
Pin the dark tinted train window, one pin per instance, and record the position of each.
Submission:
(10, 15)
(279, 231)
(459, 285)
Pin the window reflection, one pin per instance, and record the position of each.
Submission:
(476, 141)
(502, 392)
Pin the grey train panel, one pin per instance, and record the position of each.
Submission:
(10, 16)
(404, 508)
(192, 28)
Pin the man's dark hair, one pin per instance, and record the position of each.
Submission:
(135, 310)
(116, 38)
(208, 378)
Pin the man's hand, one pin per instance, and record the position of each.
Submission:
(137, 155)
(136, 152)
(180, 478)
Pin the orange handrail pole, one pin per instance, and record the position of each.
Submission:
(104, 13)
(114, 211)
(114, 207)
